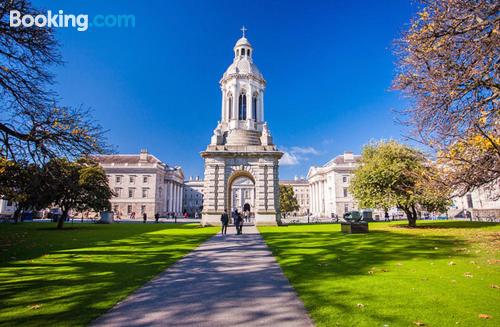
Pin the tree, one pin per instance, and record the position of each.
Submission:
(449, 65)
(288, 201)
(32, 125)
(80, 186)
(394, 175)
(22, 183)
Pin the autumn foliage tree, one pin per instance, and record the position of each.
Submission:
(449, 66)
(395, 175)
(288, 201)
(79, 186)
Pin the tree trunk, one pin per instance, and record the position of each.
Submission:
(17, 213)
(62, 218)
(412, 220)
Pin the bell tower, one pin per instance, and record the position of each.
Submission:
(241, 145)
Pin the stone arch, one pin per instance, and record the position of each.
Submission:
(233, 177)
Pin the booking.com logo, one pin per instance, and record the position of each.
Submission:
(61, 20)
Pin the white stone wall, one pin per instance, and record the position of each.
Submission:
(7, 208)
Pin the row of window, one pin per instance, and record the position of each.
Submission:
(131, 192)
(242, 52)
(131, 179)
(242, 107)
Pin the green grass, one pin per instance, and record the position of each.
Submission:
(440, 274)
(69, 277)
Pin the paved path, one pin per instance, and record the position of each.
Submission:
(230, 280)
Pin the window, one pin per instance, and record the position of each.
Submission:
(346, 193)
(131, 192)
(132, 179)
(144, 179)
(346, 207)
(118, 191)
(144, 192)
(9, 203)
(242, 52)
(344, 179)
(470, 204)
(254, 107)
(118, 179)
(115, 208)
(242, 107)
(129, 209)
(230, 106)
(248, 53)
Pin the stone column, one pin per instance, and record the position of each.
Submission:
(249, 103)
(236, 98)
(170, 196)
(261, 106)
(223, 106)
(181, 195)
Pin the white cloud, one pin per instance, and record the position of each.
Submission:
(304, 150)
(296, 154)
(289, 159)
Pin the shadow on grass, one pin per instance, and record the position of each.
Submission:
(76, 275)
(316, 261)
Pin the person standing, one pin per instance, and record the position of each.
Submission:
(224, 219)
(236, 221)
(157, 217)
(144, 217)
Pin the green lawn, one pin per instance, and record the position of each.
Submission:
(69, 277)
(440, 274)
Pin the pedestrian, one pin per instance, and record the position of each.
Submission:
(240, 224)
(157, 217)
(247, 216)
(386, 216)
(197, 215)
(224, 219)
(144, 217)
(236, 221)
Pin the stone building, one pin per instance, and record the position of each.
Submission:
(192, 200)
(241, 145)
(482, 203)
(7, 208)
(143, 183)
(329, 186)
(301, 190)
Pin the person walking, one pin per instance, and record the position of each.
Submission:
(144, 217)
(239, 229)
(224, 219)
(157, 217)
(236, 221)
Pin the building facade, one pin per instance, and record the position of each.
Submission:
(241, 145)
(193, 196)
(143, 184)
(482, 203)
(301, 190)
(329, 186)
(7, 208)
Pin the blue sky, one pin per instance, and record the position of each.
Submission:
(328, 64)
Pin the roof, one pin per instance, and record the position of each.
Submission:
(124, 158)
(293, 181)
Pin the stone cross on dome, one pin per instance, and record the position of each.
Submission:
(243, 30)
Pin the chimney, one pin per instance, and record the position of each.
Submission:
(197, 178)
(296, 178)
(190, 178)
(348, 156)
(143, 156)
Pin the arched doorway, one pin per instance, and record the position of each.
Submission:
(241, 193)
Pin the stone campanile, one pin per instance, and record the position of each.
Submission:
(241, 145)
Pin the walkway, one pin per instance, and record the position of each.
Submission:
(230, 280)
